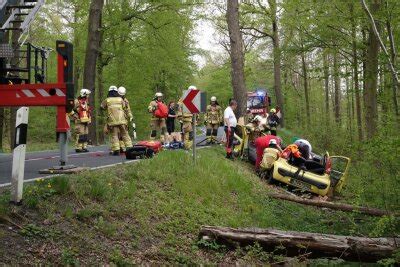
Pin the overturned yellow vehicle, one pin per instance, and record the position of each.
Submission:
(325, 182)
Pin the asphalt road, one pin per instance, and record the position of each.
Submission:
(97, 156)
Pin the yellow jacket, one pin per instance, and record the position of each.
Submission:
(115, 107)
(214, 114)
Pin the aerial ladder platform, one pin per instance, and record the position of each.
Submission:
(23, 82)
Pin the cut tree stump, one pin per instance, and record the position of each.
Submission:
(360, 249)
(332, 205)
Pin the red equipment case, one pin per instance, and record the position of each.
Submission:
(156, 146)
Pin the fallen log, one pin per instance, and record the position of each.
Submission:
(360, 249)
(332, 205)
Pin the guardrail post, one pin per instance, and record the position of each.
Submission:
(18, 165)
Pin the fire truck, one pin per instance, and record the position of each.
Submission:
(23, 81)
(258, 101)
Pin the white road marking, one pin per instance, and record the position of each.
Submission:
(69, 155)
(57, 175)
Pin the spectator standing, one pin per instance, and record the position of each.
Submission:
(171, 118)
(230, 123)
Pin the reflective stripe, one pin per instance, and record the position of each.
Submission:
(43, 93)
(28, 93)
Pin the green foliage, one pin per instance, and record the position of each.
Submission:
(157, 212)
(118, 259)
(69, 257)
(32, 230)
(37, 192)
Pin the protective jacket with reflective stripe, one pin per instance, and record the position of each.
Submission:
(115, 107)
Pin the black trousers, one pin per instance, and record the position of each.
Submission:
(170, 126)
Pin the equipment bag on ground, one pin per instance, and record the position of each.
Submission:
(143, 149)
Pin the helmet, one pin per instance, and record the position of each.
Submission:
(192, 87)
(273, 110)
(257, 118)
(84, 92)
(122, 90)
(158, 94)
(272, 142)
(213, 99)
(112, 88)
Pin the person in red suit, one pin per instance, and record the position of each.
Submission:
(262, 143)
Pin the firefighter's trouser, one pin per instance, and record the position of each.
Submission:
(212, 132)
(158, 125)
(230, 133)
(118, 131)
(187, 130)
(122, 145)
(81, 135)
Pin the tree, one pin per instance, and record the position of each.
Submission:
(371, 75)
(237, 56)
(92, 51)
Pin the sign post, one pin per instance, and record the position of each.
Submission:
(195, 102)
(18, 165)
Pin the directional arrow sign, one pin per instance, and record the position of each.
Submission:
(192, 101)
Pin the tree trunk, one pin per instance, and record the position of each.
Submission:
(100, 68)
(306, 93)
(348, 108)
(315, 245)
(330, 205)
(77, 69)
(237, 56)
(326, 85)
(393, 57)
(277, 60)
(336, 74)
(355, 73)
(92, 50)
(371, 78)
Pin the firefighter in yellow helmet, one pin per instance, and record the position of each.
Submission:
(116, 119)
(185, 118)
(128, 116)
(213, 120)
(159, 112)
(82, 118)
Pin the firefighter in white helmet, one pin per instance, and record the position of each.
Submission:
(159, 112)
(82, 118)
(213, 120)
(128, 115)
(116, 119)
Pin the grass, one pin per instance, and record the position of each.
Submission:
(151, 212)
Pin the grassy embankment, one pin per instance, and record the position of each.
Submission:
(151, 211)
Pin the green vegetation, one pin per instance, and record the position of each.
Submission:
(151, 212)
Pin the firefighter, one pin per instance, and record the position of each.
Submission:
(186, 122)
(262, 143)
(116, 119)
(273, 121)
(82, 118)
(160, 113)
(128, 116)
(213, 120)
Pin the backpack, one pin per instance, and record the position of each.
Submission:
(161, 111)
